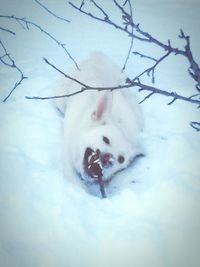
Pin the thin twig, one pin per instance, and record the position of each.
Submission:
(26, 23)
(144, 56)
(150, 70)
(7, 30)
(121, 8)
(144, 87)
(146, 36)
(125, 3)
(15, 86)
(146, 97)
(172, 101)
(67, 76)
(49, 11)
(12, 64)
(195, 95)
(195, 125)
(129, 84)
(193, 70)
(56, 96)
(129, 22)
(106, 20)
(102, 187)
(101, 9)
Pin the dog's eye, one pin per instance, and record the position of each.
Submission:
(121, 159)
(106, 140)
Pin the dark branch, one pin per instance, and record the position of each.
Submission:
(146, 97)
(172, 101)
(25, 25)
(102, 187)
(129, 84)
(106, 20)
(193, 70)
(146, 37)
(49, 11)
(55, 97)
(11, 64)
(67, 76)
(82, 11)
(192, 96)
(144, 56)
(144, 87)
(101, 9)
(14, 87)
(151, 70)
(125, 3)
(128, 18)
(121, 8)
(7, 30)
(195, 125)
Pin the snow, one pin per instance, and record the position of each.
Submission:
(151, 217)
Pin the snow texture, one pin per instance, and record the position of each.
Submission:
(151, 217)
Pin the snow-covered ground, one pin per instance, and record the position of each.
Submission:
(45, 220)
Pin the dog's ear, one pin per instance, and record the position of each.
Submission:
(103, 107)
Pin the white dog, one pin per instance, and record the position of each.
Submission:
(100, 127)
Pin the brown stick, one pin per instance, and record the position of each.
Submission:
(102, 187)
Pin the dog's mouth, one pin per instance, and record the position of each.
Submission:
(95, 162)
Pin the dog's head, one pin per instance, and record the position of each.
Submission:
(103, 148)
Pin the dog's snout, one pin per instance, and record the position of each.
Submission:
(107, 160)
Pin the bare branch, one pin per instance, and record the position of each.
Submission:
(11, 64)
(82, 11)
(7, 30)
(101, 9)
(56, 96)
(125, 3)
(121, 8)
(129, 21)
(82, 4)
(193, 70)
(67, 76)
(174, 95)
(130, 28)
(25, 25)
(129, 84)
(146, 36)
(102, 187)
(144, 56)
(49, 11)
(106, 20)
(146, 97)
(172, 101)
(14, 87)
(192, 96)
(195, 125)
(151, 70)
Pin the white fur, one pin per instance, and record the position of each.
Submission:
(93, 114)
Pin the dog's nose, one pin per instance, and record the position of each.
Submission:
(107, 160)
